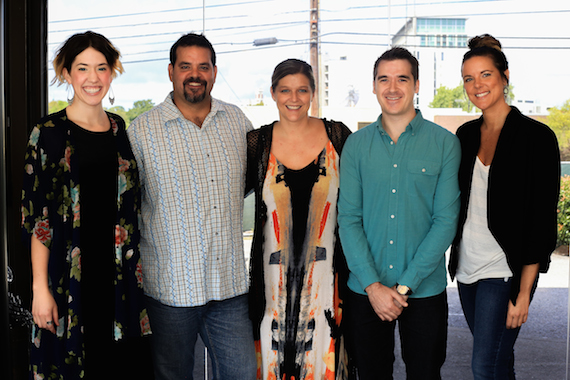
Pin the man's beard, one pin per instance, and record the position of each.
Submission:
(195, 97)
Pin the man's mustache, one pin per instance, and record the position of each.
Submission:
(195, 80)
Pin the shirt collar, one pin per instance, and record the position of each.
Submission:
(170, 112)
(415, 125)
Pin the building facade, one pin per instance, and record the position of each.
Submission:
(439, 45)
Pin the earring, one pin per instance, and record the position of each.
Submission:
(111, 95)
(70, 94)
(506, 90)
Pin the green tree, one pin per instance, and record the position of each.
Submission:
(120, 110)
(457, 98)
(139, 107)
(56, 105)
(559, 121)
(449, 98)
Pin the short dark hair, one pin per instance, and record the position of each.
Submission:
(486, 45)
(192, 39)
(76, 44)
(292, 66)
(395, 53)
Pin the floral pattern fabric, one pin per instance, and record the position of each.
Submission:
(51, 211)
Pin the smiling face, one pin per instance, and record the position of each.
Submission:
(483, 82)
(91, 76)
(293, 96)
(192, 75)
(395, 87)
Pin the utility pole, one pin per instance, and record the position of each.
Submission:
(315, 55)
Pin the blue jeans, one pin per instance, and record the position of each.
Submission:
(423, 338)
(225, 328)
(485, 305)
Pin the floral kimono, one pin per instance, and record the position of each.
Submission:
(51, 211)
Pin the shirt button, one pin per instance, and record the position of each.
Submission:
(391, 142)
(394, 191)
(391, 267)
(395, 165)
(391, 241)
(423, 170)
(392, 216)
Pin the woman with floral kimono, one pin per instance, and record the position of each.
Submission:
(80, 210)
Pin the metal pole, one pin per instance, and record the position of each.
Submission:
(315, 55)
(205, 363)
(5, 357)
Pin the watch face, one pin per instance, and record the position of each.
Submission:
(403, 290)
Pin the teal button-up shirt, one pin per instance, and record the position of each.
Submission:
(398, 206)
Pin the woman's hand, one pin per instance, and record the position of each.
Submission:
(517, 315)
(44, 310)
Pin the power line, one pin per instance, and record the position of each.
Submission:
(155, 12)
(272, 25)
(147, 24)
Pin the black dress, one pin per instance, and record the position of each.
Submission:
(97, 155)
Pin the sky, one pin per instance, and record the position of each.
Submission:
(534, 34)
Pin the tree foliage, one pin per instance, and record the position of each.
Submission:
(139, 107)
(457, 98)
(449, 98)
(559, 121)
(120, 110)
(56, 106)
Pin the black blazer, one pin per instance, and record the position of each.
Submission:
(522, 194)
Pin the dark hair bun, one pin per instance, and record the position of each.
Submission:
(484, 40)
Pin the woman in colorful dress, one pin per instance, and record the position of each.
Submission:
(509, 179)
(298, 271)
(80, 210)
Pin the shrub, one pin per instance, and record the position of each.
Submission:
(564, 212)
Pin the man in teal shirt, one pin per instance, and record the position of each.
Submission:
(397, 214)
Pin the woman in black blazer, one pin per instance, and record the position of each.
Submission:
(509, 179)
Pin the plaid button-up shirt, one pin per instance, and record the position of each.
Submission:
(193, 187)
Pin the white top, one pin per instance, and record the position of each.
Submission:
(480, 256)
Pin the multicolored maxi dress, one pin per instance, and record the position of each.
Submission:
(298, 331)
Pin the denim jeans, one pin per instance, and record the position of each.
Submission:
(225, 328)
(423, 337)
(485, 305)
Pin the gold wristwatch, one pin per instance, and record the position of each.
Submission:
(403, 290)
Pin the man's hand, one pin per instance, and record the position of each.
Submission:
(386, 302)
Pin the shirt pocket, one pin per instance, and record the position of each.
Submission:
(422, 177)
